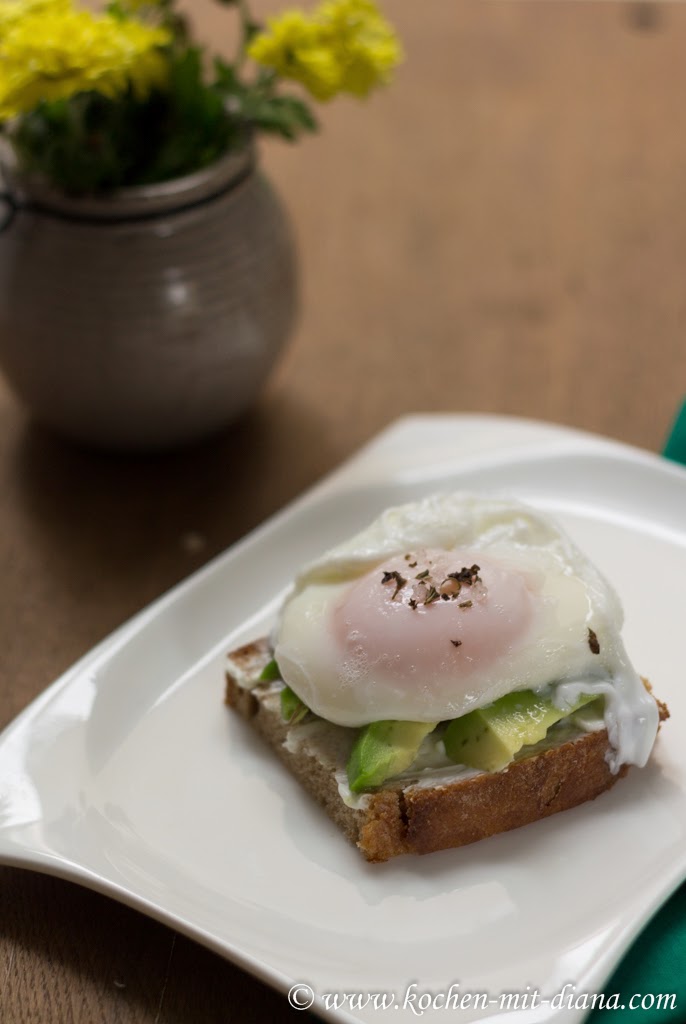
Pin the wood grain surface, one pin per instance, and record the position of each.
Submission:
(505, 231)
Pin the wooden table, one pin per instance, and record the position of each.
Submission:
(505, 231)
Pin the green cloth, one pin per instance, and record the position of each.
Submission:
(656, 963)
(675, 446)
(654, 966)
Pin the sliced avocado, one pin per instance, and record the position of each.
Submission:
(489, 737)
(269, 672)
(383, 749)
(293, 710)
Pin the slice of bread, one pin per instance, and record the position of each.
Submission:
(427, 813)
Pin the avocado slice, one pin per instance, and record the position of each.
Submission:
(383, 749)
(270, 672)
(293, 710)
(489, 737)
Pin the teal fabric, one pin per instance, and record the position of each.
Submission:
(656, 963)
(654, 967)
(675, 447)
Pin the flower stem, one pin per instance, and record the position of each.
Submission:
(246, 30)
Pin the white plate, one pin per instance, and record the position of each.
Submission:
(128, 775)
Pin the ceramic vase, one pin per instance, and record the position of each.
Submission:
(149, 317)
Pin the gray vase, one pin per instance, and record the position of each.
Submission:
(148, 318)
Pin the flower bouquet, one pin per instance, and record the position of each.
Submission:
(148, 278)
(98, 101)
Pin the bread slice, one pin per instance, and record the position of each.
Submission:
(426, 814)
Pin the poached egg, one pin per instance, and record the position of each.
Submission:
(442, 606)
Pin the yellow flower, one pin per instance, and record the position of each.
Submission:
(11, 11)
(294, 47)
(366, 45)
(344, 46)
(54, 54)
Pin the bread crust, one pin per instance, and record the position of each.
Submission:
(416, 818)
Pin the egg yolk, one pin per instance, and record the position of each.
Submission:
(431, 616)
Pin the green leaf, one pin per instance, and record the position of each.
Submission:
(250, 30)
(267, 78)
(196, 127)
(225, 78)
(281, 115)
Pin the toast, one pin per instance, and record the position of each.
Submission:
(428, 812)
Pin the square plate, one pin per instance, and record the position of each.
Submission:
(128, 775)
